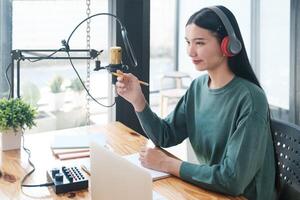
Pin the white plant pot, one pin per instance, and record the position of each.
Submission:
(58, 100)
(10, 140)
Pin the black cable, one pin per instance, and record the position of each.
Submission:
(48, 56)
(7, 79)
(127, 44)
(109, 14)
(107, 106)
(32, 170)
(39, 185)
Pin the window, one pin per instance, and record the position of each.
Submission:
(162, 45)
(275, 55)
(42, 25)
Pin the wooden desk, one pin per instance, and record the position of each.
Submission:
(122, 139)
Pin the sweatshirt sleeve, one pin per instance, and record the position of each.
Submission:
(165, 132)
(242, 160)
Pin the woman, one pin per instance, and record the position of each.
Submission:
(224, 114)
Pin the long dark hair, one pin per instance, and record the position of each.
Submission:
(238, 64)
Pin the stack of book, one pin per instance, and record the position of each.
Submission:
(73, 146)
(65, 154)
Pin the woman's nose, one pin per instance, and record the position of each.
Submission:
(191, 51)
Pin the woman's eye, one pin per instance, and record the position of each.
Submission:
(200, 43)
(187, 42)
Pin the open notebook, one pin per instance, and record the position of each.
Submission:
(133, 158)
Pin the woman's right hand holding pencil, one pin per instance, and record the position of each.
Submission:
(128, 87)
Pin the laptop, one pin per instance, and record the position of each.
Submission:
(114, 178)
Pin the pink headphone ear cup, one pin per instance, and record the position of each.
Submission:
(224, 47)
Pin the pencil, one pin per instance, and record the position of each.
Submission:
(119, 74)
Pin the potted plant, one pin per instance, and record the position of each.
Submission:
(77, 88)
(57, 93)
(15, 117)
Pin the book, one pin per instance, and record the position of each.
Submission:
(68, 156)
(66, 151)
(76, 141)
(65, 154)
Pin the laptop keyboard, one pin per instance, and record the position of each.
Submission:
(157, 196)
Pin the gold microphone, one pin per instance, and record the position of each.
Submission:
(115, 55)
(115, 60)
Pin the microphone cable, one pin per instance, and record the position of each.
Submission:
(127, 44)
(95, 100)
(7, 79)
(98, 14)
(32, 170)
(48, 56)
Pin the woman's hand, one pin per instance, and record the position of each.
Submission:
(156, 159)
(129, 88)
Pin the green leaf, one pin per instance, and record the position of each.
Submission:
(15, 113)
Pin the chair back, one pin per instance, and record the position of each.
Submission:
(287, 146)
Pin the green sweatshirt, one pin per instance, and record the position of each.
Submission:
(230, 133)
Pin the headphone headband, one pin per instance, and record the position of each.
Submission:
(232, 44)
(224, 20)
